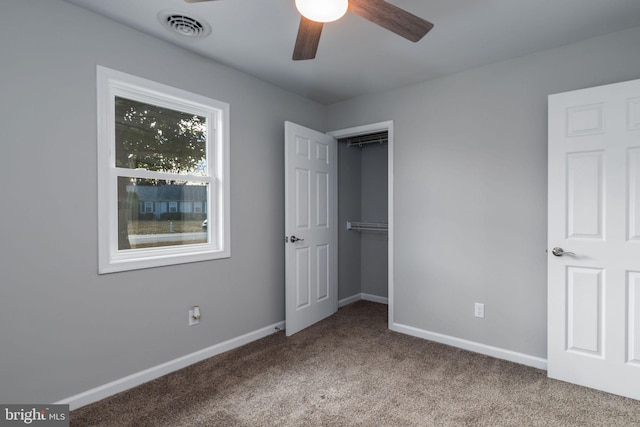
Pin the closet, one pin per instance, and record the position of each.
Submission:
(363, 217)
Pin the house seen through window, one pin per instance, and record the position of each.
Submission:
(164, 182)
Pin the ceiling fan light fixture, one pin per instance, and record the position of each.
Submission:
(322, 10)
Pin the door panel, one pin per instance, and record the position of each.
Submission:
(302, 199)
(594, 212)
(634, 194)
(311, 262)
(323, 205)
(303, 279)
(323, 272)
(633, 319)
(584, 310)
(584, 193)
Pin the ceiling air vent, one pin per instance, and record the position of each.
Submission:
(184, 25)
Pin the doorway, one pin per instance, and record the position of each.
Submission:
(312, 253)
(365, 214)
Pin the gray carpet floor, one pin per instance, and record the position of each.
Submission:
(350, 370)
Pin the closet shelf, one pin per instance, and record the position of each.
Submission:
(368, 226)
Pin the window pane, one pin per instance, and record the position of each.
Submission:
(156, 214)
(159, 139)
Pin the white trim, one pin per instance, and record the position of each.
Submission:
(111, 83)
(499, 353)
(366, 297)
(391, 220)
(375, 298)
(349, 300)
(361, 130)
(130, 381)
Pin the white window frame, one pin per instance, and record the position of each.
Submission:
(112, 83)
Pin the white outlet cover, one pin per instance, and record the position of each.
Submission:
(479, 310)
(192, 321)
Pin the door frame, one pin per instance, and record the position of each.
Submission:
(363, 130)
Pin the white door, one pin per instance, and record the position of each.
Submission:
(311, 233)
(594, 213)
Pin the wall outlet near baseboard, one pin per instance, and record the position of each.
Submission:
(479, 310)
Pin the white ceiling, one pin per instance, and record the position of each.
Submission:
(356, 57)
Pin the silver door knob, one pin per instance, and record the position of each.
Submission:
(295, 239)
(560, 252)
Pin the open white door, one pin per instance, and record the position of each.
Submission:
(311, 233)
(594, 217)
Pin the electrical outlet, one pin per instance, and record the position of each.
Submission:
(194, 315)
(479, 310)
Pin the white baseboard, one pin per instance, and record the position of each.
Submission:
(349, 300)
(498, 353)
(362, 296)
(130, 381)
(375, 298)
(117, 386)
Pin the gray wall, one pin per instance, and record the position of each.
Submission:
(63, 328)
(470, 179)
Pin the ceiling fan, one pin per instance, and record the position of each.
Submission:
(315, 13)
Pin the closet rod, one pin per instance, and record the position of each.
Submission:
(362, 140)
(367, 226)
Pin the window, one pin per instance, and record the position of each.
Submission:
(161, 151)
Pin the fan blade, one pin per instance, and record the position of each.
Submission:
(308, 39)
(392, 18)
